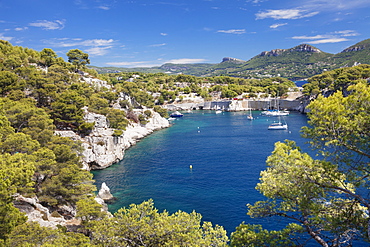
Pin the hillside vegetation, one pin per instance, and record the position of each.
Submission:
(325, 200)
(300, 62)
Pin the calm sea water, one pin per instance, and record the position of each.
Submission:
(227, 152)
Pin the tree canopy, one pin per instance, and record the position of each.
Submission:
(327, 198)
(78, 58)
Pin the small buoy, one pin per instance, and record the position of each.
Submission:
(191, 167)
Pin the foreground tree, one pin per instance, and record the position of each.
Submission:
(32, 234)
(328, 198)
(15, 177)
(143, 225)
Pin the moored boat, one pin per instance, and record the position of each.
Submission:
(250, 116)
(176, 114)
(275, 113)
(278, 125)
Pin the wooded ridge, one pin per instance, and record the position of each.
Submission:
(300, 62)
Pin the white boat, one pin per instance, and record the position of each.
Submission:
(176, 114)
(275, 113)
(250, 116)
(278, 126)
(217, 109)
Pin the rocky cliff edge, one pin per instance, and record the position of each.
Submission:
(101, 148)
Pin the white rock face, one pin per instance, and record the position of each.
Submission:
(104, 193)
(96, 82)
(36, 212)
(101, 148)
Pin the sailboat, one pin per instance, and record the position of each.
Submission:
(278, 126)
(218, 110)
(275, 112)
(250, 116)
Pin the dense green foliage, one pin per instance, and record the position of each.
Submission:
(336, 80)
(40, 93)
(171, 88)
(327, 198)
(143, 225)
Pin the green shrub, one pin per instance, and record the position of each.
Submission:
(117, 132)
(161, 111)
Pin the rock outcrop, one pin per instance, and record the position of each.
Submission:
(275, 52)
(38, 213)
(354, 48)
(299, 48)
(305, 48)
(231, 59)
(102, 148)
(104, 193)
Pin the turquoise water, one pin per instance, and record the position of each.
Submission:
(227, 152)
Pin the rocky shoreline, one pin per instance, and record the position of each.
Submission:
(102, 148)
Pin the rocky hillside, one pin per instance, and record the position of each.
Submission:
(296, 63)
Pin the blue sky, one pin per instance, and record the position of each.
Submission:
(142, 33)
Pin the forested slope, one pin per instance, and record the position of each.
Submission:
(324, 197)
(41, 93)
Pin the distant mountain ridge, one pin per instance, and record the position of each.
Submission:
(296, 63)
(299, 48)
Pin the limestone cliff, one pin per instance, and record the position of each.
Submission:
(101, 148)
(299, 48)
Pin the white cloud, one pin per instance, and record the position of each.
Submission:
(96, 47)
(134, 64)
(329, 40)
(279, 14)
(186, 60)
(232, 31)
(156, 63)
(164, 34)
(49, 25)
(5, 37)
(256, 1)
(158, 45)
(334, 5)
(97, 42)
(98, 51)
(347, 33)
(311, 37)
(278, 25)
(334, 37)
(20, 28)
(104, 7)
(67, 42)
